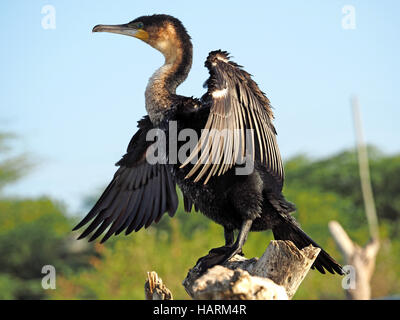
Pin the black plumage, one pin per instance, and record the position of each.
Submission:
(138, 195)
(141, 192)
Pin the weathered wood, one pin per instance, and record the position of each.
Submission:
(362, 261)
(286, 265)
(221, 283)
(154, 288)
(276, 275)
(365, 179)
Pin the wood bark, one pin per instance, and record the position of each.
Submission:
(286, 265)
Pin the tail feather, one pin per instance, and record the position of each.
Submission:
(288, 230)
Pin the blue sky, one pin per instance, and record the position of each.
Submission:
(74, 97)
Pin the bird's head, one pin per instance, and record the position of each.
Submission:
(163, 32)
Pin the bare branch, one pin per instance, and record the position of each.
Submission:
(366, 187)
(361, 259)
(341, 238)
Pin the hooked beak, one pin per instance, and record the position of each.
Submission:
(124, 29)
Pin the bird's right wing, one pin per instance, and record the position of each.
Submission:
(139, 194)
(239, 112)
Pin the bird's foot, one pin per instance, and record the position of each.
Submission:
(220, 250)
(217, 256)
(224, 249)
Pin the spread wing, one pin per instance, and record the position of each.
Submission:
(240, 120)
(139, 194)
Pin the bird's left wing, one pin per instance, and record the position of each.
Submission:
(139, 194)
(238, 108)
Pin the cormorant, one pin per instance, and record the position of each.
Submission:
(209, 175)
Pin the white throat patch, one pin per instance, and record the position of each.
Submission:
(218, 94)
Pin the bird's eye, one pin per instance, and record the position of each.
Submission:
(140, 25)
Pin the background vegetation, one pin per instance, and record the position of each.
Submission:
(36, 232)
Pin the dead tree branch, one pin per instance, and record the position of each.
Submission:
(368, 196)
(361, 259)
(155, 289)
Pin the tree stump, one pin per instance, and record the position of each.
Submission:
(275, 276)
(286, 265)
(221, 283)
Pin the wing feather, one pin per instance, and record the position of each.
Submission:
(139, 193)
(236, 106)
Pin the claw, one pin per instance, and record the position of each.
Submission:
(223, 254)
(220, 250)
(215, 257)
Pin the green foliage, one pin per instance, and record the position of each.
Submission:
(322, 191)
(384, 174)
(339, 174)
(9, 287)
(33, 233)
(121, 271)
(36, 232)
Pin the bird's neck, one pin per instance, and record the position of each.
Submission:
(161, 89)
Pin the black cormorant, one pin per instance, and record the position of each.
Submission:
(209, 175)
